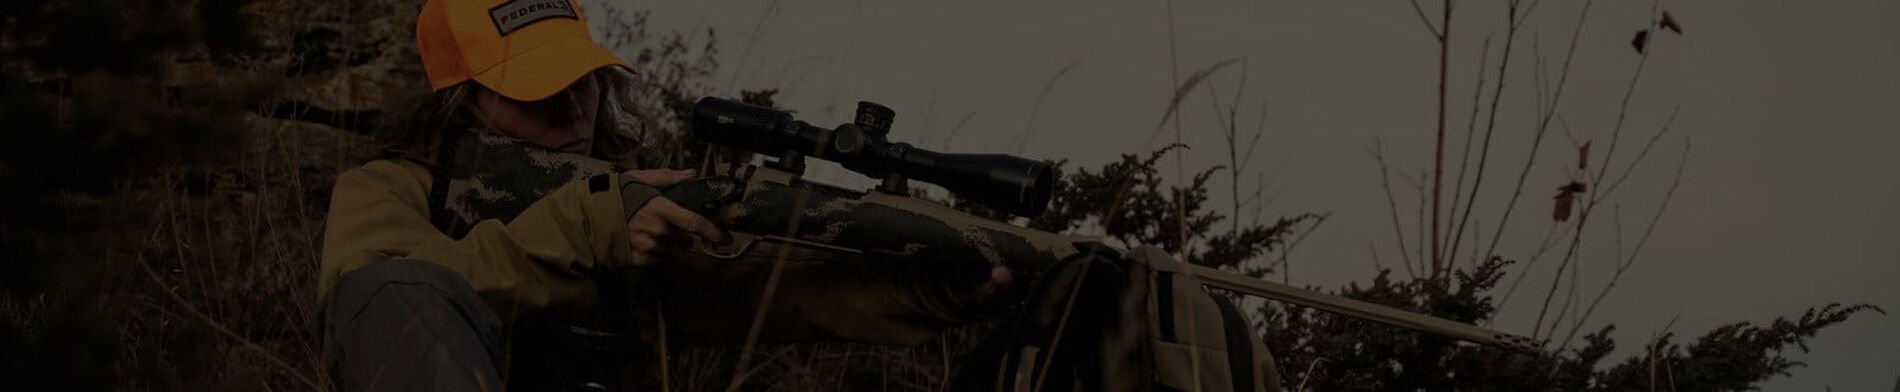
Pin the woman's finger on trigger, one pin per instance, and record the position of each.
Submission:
(675, 240)
(693, 223)
(643, 243)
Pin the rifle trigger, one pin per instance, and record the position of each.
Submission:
(742, 249)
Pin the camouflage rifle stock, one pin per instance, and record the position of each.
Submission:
(772, 203)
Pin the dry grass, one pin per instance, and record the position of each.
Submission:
(829, 366)
(208, 284)
(234, 252)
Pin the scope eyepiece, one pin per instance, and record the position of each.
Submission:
(1001, 182)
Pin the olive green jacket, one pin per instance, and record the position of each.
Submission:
(380, 211)
(543, 262)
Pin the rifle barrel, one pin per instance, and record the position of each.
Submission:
(1360, 309)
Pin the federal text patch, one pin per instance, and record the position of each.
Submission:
(513, 15)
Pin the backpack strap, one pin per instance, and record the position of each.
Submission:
(439, 175)
(1239, 354)
(1164, 306)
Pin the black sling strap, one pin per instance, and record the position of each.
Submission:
(1239, 352)
(614, 338)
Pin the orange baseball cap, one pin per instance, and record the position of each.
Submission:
(526, 50)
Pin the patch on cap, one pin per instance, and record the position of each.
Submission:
(513, 15)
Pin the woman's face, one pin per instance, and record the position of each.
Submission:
(563, 121)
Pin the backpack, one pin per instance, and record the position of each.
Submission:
(1104, 320)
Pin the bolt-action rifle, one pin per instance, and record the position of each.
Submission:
(772, 203)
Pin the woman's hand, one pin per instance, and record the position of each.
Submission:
(662, 223)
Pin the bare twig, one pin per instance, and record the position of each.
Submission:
(1569, 133)
(1596, 193)
(1644, 153)
(1235, 159)
(1385, 182)
(1285, 266)
(1527, 13)
(1551, 238)
(1438, 155)
(1491, 125)
(1622, 112)
(1377, 267)
(1570, 254)
(1471, 124)
(1427, 21)
(1550, 109)
(1418, 188)
(1648, 232)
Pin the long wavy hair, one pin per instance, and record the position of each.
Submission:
(416, 128)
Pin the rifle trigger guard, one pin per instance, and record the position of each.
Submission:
(751, 242)
(741, 251)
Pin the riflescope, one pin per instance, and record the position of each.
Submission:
(1001, 182)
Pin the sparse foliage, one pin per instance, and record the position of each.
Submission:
(1325, 352)
(162, 189)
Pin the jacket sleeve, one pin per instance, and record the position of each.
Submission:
(541, 258)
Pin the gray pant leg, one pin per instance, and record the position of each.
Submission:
(409, 325)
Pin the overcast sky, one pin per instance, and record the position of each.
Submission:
(1788, 199)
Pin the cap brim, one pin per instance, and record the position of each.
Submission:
(540, 72)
